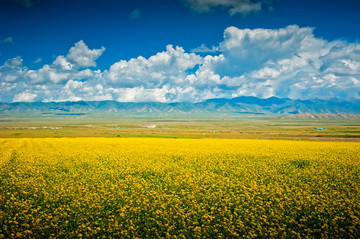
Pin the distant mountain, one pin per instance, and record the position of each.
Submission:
(321, 116)
(243, 104)
(251, 100)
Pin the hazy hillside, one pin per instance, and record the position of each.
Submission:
(322, 116)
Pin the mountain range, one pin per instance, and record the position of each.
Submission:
(243, 104)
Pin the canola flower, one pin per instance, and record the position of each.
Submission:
(178, 188)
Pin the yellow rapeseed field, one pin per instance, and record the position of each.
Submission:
(178, 188)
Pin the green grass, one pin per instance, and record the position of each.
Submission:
(176, 125)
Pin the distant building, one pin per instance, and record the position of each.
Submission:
(321, 129)
(150, 126)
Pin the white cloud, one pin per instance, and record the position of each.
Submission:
(165, 67)
(48, 74)
(63, 63)
(24, 97)
(82, 56)
(204, 49)
(12, 70)
(67, 68)
(247, 49)
(287, 62)
(234, 6)
(38, 60)
(13, 62)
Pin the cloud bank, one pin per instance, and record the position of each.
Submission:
(288, 62)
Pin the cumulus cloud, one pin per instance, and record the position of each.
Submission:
(47, 83)
(286, 62)
(234, 6)
(82, 56)
(165, 67)
(247, 49)
(12, 70)
(204, 49)
(24, 97)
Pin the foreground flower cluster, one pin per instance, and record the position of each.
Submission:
(178, 188)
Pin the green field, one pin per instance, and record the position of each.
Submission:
(176, 125)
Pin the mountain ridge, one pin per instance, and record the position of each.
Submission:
(321, 116)
(242, 104)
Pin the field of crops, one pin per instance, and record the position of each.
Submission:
(178, 188)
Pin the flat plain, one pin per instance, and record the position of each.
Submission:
(177, 125)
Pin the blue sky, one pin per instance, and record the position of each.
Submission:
(178, 50)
